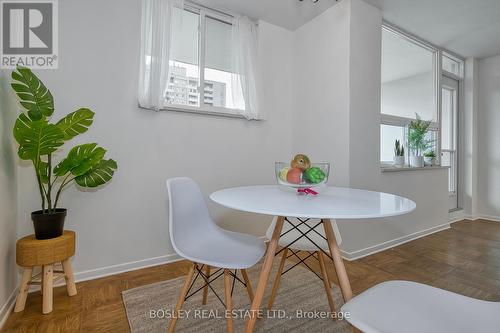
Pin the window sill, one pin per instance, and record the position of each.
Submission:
(206, 110)
(391, 168)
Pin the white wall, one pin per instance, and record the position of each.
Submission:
(127, 220)
(8, 197)
(469, 139)
(351, 136)
(488, 188)
(321, 91)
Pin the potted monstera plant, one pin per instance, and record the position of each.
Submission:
(39, 140)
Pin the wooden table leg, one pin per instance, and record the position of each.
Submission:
(48, 279)
(229, 301)
(264, 274)
(205, 289)
(277, 280)
(23, 289)
(69, 276)
(326, 282)
(345, 285)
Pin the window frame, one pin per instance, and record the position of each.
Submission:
(203, 108)
(438, 73)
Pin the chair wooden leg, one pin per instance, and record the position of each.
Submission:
(69, 276)
(229, 301)
(48, 279)
(277, 280)
(345, 285)
(23, 289)
(182, 297)
(264, 274)
(205, 290)
(326, 282)
(247, 282)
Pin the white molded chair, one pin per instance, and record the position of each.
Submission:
(197, 238)
(291, 241)
(410, 307)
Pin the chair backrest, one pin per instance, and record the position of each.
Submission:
(189, 217)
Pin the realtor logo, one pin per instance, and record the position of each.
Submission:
(29, 33)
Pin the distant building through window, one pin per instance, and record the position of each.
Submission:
(201, 74)
(183, 90)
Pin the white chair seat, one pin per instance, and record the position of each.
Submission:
(225, 249)
(410, 307)
(303, 244)
(196, 237)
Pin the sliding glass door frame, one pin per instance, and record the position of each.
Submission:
(453, 83)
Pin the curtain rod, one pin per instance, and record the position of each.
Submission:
(195, 3)
(219, 11)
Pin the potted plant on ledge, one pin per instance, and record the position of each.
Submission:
(417, 140)
(430, 158)
(399, 154)
(39, 140)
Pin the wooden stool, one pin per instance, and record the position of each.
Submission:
(32, 252)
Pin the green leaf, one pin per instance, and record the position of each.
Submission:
(98, 175)
(36, 137)
(80, 160)
(43, 171)
(76, 123)
(34, 96)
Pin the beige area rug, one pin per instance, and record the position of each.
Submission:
(301, 294)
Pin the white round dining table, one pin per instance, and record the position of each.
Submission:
(330, 203)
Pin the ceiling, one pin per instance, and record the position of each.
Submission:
(470, 28)
(289, 14)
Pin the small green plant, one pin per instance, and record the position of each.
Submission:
(417, 132)
(399, 150)
(430, 153)
(39, 140)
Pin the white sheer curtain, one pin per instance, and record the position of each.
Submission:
(157, 35)
(244, 78)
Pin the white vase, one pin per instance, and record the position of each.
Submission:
(429, 161)
(416, 161)
(399, 161)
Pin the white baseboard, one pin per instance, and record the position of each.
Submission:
(7, 307)
(125, 267)
(486, 217)
(353, 255)
(91, 275)
(358, 254)
(457, 215)
(101, 272)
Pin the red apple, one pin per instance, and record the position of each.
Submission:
(294, 176)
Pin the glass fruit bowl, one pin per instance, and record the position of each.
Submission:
(315, 175)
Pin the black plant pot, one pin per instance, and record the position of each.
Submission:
(49, 225)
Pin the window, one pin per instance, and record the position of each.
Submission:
(202, 58)
(408, 88)
(198, 60)
(453, 65)
(388, 135)
(449, 135)
(183, 85)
